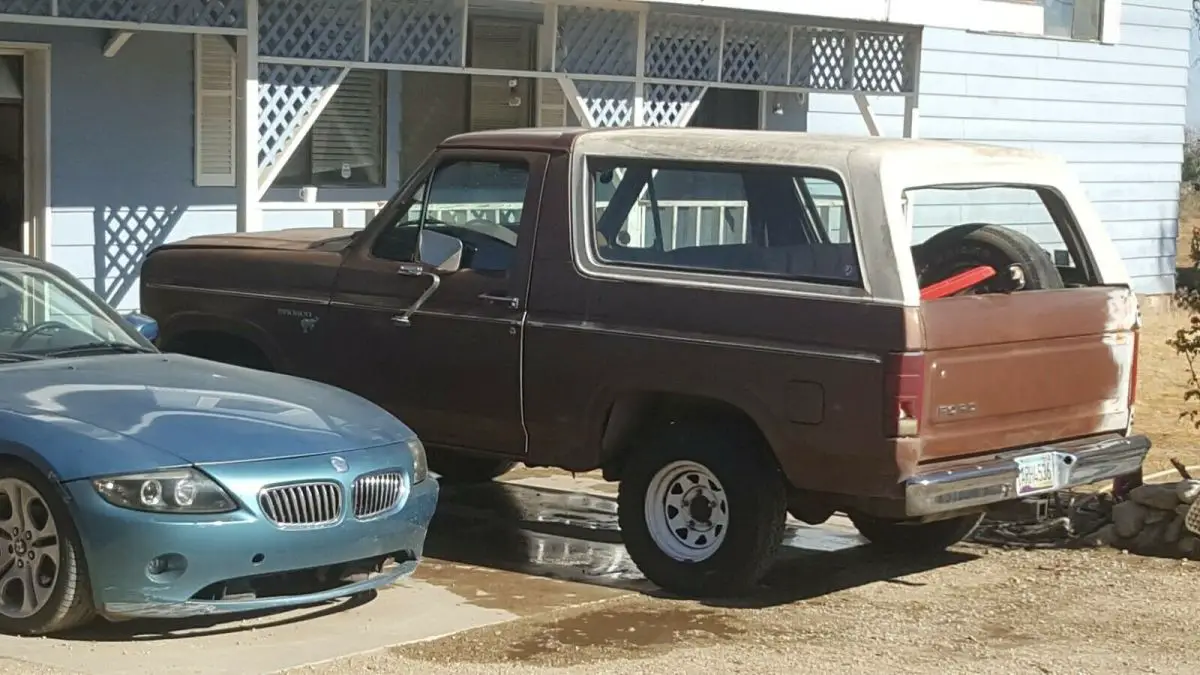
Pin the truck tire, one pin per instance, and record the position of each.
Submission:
(456, 467)
(701, 508)
(902, 536)
(965, 246)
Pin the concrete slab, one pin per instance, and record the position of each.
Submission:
(407, 613)
(496, 552)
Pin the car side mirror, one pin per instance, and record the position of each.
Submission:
(441, 251)
(144, 325)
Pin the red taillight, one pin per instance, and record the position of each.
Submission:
(904, 385)
(1133, 375)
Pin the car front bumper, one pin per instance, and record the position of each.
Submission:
(968, 484)
(119, 545)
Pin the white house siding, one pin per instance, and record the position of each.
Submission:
(1116, 112)
(122, 163)
(123, 132)
(121, 153)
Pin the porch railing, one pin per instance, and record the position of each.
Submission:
(684, 222)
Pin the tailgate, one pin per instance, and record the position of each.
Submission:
(1005, 371)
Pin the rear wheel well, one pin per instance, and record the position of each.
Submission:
(221, 347)
(635, 413)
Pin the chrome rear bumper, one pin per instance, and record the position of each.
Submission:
(961, 485)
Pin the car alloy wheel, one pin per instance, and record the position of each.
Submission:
(29, 550)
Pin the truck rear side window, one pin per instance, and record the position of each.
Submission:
(1037, 215)
(759, 221)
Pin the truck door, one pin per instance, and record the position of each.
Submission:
(452, 371)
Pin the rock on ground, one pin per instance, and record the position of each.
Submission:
(1162, 497)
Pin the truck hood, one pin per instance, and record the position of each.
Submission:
(298, 239)
(199, 411)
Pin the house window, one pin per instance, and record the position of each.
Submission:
(345, 147)
(1074, 19)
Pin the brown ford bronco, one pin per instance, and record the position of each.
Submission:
(733, 324)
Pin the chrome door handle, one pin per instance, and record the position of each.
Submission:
(416, 270)
(411, 269)
(498, 299)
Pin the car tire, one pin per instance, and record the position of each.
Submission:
(67, 602)
(895, 535)
(721, 546)
(970, 245)
(462, 469)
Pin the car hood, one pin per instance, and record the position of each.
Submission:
(199, 411)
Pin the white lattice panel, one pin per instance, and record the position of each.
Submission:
(594, 41)
(287, 95)
(670, 105)
(755, 53)
(206, 13)
(682, 47)
(879, 63)
(819, 58)
(418, 32)
(28, 7)
(606, 104)
(311, 29)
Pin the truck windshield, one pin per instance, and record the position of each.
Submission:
(744, 220)
(42, 314)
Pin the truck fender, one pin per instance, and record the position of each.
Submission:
(188, 322)
(616, 413)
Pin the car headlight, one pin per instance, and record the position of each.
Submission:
(420, 463)
(171, 491)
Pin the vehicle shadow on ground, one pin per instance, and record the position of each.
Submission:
(154, 630)
(574, 536)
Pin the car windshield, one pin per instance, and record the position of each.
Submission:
(44, 315)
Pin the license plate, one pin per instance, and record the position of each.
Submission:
(1037, 473)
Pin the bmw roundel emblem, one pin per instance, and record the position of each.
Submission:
(339, 465)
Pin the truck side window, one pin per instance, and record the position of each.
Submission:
(756, 221)
(398, 241)
(479, 202)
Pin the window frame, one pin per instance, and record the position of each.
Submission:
(304, 148)
(589, 263)
(422, 181)
(1057, 207)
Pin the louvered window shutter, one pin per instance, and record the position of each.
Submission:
(552, 104)
(348, 135)
(216, 112)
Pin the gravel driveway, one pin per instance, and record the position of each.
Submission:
(977, 610)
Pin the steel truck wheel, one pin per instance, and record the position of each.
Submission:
(43, 581)
(702, 508)
(931, 537)
(965, 246)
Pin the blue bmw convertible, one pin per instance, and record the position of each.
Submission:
(139, 484)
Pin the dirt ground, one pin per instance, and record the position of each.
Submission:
(974, 610)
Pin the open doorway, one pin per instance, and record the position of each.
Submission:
(12, 153)
(728, 109)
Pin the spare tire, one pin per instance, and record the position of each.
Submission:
(963, 247)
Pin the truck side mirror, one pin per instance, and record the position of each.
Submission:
(441, 251)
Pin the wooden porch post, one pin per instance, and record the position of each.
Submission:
(249, 214)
